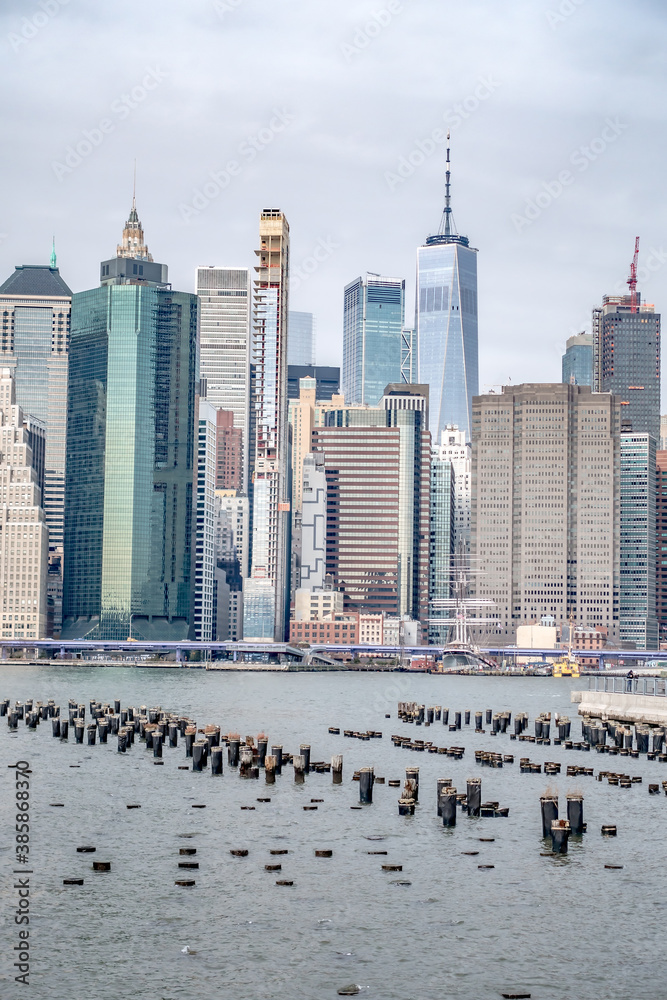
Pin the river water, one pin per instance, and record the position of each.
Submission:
(555, 927)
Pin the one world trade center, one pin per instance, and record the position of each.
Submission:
(446, 323)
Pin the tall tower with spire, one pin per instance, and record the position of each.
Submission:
(133, 264)
(132, 401)
(446, 322)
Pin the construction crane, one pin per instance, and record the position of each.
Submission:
(632, 280)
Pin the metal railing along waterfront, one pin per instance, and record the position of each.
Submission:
(628, 685)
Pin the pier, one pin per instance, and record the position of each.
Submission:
(627, 699)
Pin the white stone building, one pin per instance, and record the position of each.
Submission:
(24, 537)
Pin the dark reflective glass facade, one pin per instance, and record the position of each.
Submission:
(129, 481)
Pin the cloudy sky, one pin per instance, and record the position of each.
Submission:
(335, 113)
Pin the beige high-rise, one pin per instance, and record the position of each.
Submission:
(545, 507)
(306, 413)
(24, 537)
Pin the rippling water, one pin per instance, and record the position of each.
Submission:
(557, 928)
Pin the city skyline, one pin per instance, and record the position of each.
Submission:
(521, 113)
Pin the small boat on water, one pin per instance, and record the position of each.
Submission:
(567, 666)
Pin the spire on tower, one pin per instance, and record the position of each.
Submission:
(133, 244)
(447, 232)
(52, 262)
(447, 225)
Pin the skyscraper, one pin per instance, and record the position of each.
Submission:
(627, 360)
(204, 624)
(442, 540)
(578, 360)
(454, 448)
(638, 621)
(661, 540)
(224, 352)
(327, 378)
(131, 455)
(229, 463)
(24, 544)
(266, 592)
(301, 339)
(446, 323)
(232, 548)
(35, 303)
(545, 507)
(373, 320)
(313, 523)
(377, 466)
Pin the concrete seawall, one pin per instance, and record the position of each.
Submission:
(624, 707)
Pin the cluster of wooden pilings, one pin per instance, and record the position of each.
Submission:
(625, 740)
(559, 830)
(487, 758)
(157, 729)
(469, 802)
(421, 746)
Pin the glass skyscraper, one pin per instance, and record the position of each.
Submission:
(301, 339)
(627, 360)
(446, 324)
(578, 360)
(35, 303)
(373, 321)
(131, 452)
(638, 620)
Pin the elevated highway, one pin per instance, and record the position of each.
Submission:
(285, 653)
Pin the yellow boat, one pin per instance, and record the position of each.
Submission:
(567, 667)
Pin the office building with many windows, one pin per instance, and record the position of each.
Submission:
(204, 609)
(35, 304)
(627, 360)
(229, 462)
(545, 507)
(224, 354)
(24, 536)
(442, 540)
(638, 621)
(131, 453)
(373, 321)
(377, 468)
(327, 379)
(661, 540)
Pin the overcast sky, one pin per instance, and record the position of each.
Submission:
(316, 106)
